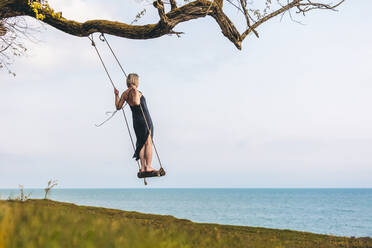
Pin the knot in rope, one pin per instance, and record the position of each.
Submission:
(92, 40)
(102, 37)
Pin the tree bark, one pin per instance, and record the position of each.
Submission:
(193, 10)
(2, 30)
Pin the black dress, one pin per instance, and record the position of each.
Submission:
(139, 125)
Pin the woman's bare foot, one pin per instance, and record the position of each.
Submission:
(150, 169)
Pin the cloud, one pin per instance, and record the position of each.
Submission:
(81, 10)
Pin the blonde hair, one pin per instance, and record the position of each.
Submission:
(132, 79)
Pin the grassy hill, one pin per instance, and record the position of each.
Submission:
(45, 223)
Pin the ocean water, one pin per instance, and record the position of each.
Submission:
(343, 212)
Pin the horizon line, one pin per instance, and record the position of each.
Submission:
(17, 188)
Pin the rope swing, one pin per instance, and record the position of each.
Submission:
(161, 171)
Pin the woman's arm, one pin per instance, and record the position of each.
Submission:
(120, 102)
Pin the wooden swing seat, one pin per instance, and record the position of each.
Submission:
(145, 174)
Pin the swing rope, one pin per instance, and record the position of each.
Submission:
(100, 58)
(148, 128)
(103, 39)
(108, 75)
(91, 38)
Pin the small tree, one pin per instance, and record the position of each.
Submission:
(47, 190)
(22, 197)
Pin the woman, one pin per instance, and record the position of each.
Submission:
(140, 115)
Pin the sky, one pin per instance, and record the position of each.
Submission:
(291, 109)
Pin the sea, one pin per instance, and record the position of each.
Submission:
(341, 212)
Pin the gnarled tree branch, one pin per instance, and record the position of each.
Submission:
(193, 10)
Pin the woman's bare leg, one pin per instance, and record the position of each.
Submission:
(142, 159)
(148, 154)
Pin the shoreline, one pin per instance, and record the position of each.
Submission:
(48, 216)
(335, 212)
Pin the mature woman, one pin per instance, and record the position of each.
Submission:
(142, 122)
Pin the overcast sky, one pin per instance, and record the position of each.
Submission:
(292, 109)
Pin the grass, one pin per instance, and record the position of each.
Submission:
(45, 223)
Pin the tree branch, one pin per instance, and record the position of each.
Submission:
(266, 18)
(159, 5)
(305, 7)
(192, 10)
(243, 3)
(173, 4)
(294, 4)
